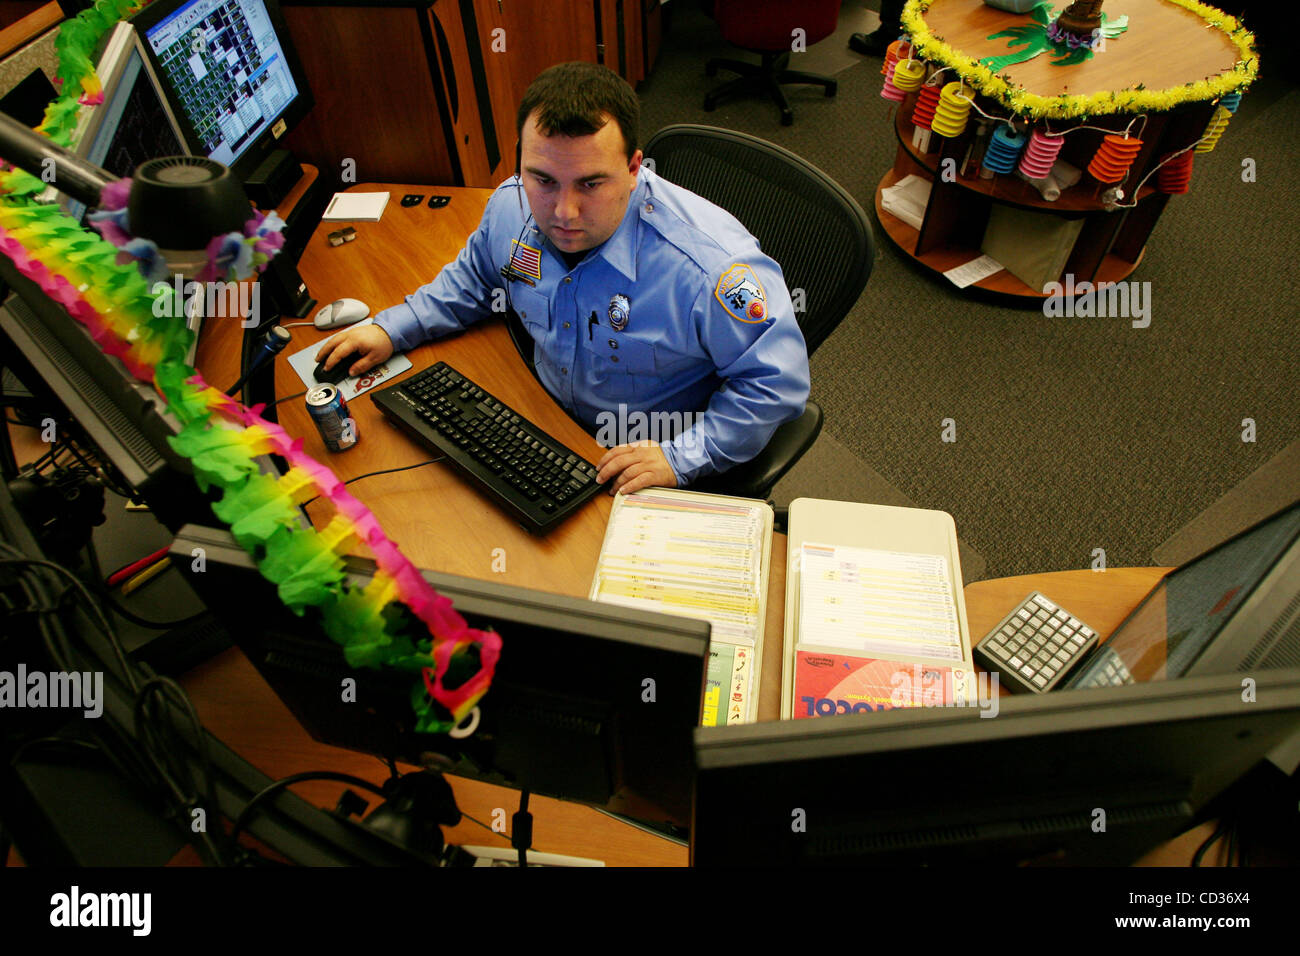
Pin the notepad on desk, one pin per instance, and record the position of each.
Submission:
(702, 556)
(356, 207)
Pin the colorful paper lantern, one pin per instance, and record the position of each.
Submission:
(926, 101)
(1040, 154)
(1004, 149)
(899, 48)
(1175, 175)
(909, 74)
(1222, 116)
(889, 91)
(1112, 161)
(953, 111)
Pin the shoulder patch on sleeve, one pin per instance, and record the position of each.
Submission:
(741, 294)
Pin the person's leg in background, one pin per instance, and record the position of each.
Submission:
(875, 44)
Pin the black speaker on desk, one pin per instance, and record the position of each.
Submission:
(287, 289)
(282, 282)
(272, 179)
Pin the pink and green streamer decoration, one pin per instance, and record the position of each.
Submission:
(396, 621)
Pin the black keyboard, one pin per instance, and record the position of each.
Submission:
(534, 477)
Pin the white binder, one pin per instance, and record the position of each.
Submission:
(878, 527)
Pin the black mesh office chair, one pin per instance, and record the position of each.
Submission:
(804, 220)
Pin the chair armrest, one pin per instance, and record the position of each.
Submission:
(756, 477)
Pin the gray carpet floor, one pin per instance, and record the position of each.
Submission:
(1073, 434)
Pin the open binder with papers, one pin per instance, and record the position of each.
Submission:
(874, 612)
(703, 556)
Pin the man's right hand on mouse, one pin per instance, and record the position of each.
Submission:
(364, 347)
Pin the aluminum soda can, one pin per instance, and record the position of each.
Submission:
(330, 413)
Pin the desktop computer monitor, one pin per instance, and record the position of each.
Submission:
(1235, 608)
(1209, 650)
(232, 78)
(1093, 777)
(590, 702)
(74, 382)
(132, 124)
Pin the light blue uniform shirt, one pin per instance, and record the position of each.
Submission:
(709, 323)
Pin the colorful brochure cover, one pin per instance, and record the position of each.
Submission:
(828, 684)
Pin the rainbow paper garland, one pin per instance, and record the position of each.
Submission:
(221, 438)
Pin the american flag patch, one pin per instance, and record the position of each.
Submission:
(525, 259)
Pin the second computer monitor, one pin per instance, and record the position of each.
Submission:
(231, 75)
(131, 125)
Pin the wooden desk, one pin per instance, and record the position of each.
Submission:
(440, 521)
(443, 523)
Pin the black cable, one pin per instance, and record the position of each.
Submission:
(98, 470)
(8, 461)
(77, 455)
(386, 471)
(521, 828)
(1219, 831)
(206, 798)
(124, 751)
(288, 398)
(95, 470)
(128, 672)
(45, 607)
(273, 788)
(78, 742)
(485, 826)
(148, 750)
(160, 752)
(253, 368)
(39, 463)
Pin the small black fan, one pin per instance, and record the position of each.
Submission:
(181, 202)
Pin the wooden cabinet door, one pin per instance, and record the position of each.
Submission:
(371, 76)
(489, 51)
(475, 78)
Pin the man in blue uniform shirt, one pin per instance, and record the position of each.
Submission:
(647, 304)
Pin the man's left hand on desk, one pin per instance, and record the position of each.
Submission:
(636, 466)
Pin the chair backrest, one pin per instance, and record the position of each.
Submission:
(802, 218)
(767, 24)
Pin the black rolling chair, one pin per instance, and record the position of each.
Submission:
(804, 220)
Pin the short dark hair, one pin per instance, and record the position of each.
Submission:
(575, 99)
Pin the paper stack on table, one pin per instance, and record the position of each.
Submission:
(356, 207)
(703, 556)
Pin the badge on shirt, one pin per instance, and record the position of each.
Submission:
(741, 294)
(525, 260)
(620, 310)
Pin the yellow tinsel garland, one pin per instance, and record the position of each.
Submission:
(1033, 106)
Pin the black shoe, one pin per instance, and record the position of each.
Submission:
(871, 44)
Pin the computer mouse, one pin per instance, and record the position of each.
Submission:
(335, 375)
(341, 312)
